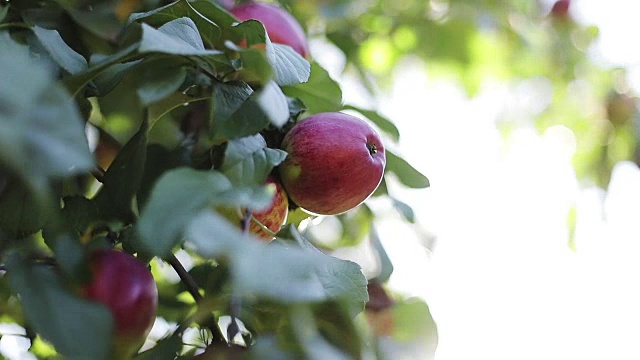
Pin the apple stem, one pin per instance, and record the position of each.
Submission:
(246, 221)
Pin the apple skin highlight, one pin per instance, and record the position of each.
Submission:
(335, 162)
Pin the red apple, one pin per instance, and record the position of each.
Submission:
(335, 162)
(281, 27)
(560, 9)
(227, 4)
(126, 287)
(268, 222)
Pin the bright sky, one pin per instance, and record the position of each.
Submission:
(502, 282)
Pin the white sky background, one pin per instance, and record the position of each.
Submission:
(502, 282)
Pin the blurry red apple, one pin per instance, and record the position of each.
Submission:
(560, 9)
(335, 162)
(126, 287)
(227, 4)
(269, 221)
(281, 26)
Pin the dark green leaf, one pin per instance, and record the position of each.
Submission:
(159, 160)
(77, 328)
(38, 120)
(20, 213)
(3, 12)
(320, 94)
(248, 161)
(182, 193)
(167, 348)
(209, 31)
(382, 122)
(159, 79)
(290, 68)
(178, 37)
(406, 173)
(60, 52)
(236, 112)
(99, 65)
(122, 179)
(158, 109)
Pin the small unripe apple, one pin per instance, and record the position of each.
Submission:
(281, 26)
(335, 162)
(266, 223)
(125, 286)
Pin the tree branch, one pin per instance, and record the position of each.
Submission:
(194, 290)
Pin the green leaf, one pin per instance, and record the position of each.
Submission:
(320, 94)
(406, 173)
(158, 109)
(38, 120)
(182, 193)
(122, 179)
(167, 348)
(4, 10)
(20, 213)
(290, 68)
(248, 160)
(178, 37)
(405, 210)
(273, 104)
(413, 321)
(159, 160)
(382, 122)
(236, 112)
(60, 52)
(159, 79)
(386, 266)
(100, 65)
(342, 279)
(277, 271)
(79, 329)
(209, 30)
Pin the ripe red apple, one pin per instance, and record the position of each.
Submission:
(335, 162)
(281, 26)
(268, 222)
(126, 287)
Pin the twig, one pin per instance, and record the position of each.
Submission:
(191, 284)
(194, 290)
(98, 173)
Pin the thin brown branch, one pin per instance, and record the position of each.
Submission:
(98, 173)
(194, 290)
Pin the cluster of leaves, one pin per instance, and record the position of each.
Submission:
(186, 122)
